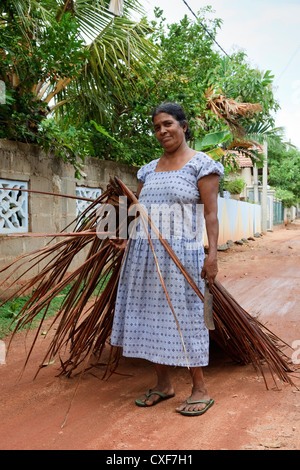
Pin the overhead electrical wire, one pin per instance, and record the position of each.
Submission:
(288, 63)
(204, 27)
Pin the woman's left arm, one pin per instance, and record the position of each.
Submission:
(208, 188)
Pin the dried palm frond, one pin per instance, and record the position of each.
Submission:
(248, 148)
(82, 331)
(245, 339)
(84, 320)
(230, 110)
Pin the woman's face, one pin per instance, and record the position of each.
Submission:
(168, 131)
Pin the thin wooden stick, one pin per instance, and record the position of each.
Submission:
(47, 193)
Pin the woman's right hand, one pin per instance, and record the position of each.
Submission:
(119, 243)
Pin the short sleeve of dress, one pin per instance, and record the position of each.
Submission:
(146, 170)
(206, 166)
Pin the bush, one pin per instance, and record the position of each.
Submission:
(234, 186)
(287, 197)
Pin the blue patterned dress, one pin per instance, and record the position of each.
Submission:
(144, 324)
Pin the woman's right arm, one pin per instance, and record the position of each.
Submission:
(139, 189)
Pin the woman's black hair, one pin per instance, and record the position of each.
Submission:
(176, 111)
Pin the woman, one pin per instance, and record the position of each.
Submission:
(144, 325)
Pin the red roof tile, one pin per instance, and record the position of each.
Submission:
(245, 162)
(242, 160)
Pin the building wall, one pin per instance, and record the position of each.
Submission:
(237, 220)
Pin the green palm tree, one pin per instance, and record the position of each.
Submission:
(112, 48)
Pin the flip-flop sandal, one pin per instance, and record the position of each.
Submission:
(162, 397)
(208, 404)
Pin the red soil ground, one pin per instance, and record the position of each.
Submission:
(264, 278)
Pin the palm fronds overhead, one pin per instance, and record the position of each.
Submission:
(116, 47)
(105, 49)
(84, 321)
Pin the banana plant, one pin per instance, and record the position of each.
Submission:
(212, 140)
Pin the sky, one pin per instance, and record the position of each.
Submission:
(268, 31)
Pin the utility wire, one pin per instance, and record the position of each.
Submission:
(204, 27)
(289, 62)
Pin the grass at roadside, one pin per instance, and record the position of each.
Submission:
(10, 310)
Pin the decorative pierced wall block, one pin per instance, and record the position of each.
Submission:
(13, 207)
(91, 193)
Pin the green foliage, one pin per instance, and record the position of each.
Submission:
(237, 79)
(117, 80)
(177, 74)
(10, 310)
(186, 67)
(54, 52)
(287, 197)
(71, 144)
(212, 140)
(284, 172)
(234, 186)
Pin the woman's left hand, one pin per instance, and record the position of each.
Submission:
(210, 270)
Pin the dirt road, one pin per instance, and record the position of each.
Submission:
(264, 277)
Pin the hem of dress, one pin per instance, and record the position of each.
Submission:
(159, 361)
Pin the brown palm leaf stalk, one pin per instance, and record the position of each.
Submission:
(84, 321)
